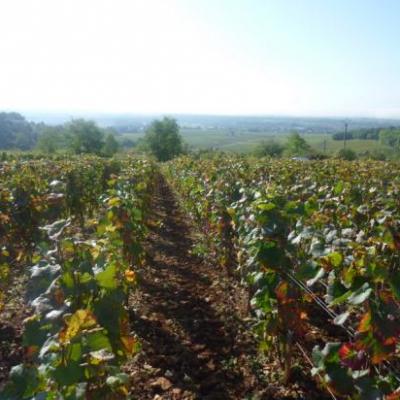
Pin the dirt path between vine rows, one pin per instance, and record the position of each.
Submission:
(189, 317)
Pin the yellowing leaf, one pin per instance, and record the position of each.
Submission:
(95, 251)
(123, 390)
(114, 201)
(81, 319)
(5, 253)
(130, 276)
(282, 291)
(130, 344)
(365, 323)
(111, 228)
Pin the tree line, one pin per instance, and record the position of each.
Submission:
(77, 136)
(389, 136)
(80, 136)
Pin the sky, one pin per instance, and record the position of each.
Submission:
(247, 57)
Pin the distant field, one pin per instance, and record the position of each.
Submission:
(245, 142)
(332, 146)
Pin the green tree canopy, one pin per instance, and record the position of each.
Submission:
(269, 148)
(111, 145)
(163, 140)
(347, 154)
(297, 146)
(51, 138)
(85, 137)
(15, 131)
(390, 137)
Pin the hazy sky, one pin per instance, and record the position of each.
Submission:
(304, 57)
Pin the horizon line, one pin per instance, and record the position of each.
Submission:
(71, 113)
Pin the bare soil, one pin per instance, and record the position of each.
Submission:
(191, 319)
(11, 323)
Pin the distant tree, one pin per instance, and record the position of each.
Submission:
(163, 140)
(22, 141)
(49, 140)
(15, 131)
(390, 137)
(270, 148)
(347, 154)
(111, 145)
(297, 146)
(361, 134)
(85, 137)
